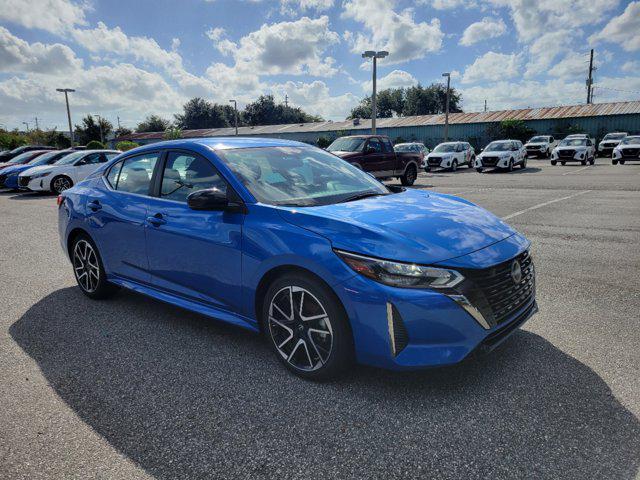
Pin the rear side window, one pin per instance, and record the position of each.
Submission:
(186, 173)
(386, 143)
(133, 174)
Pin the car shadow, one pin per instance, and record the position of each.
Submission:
(517, 171)
(17, 195)
(184, 396)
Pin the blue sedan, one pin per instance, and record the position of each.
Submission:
(286, 239)
(9, 175)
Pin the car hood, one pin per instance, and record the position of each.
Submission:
(411, 226)
(14, 169)
(496, 154)
(343, 154)
(536, 144)
(569, 147)
(630, 145)
(39, 169)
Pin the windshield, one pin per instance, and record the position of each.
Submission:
(298, 176)
(614, 136)
(405, 147)
(71, 158)
(22, 158)
(445, 147)
(539, 140)
(630, 141)
(46, 158)
(498, 147)
(573, 142)
(346, 144)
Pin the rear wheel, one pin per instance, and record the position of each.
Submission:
(472, 162)
(88, 269)
(454, 166)
(622, 162)
(427, 169)
(306, 327)
(61, 183)
(409, 176)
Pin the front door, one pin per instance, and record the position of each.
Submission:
(194, 254)
(374, 159)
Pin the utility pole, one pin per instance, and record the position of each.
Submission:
(118, 122)
(286, 100)
(446, 110)
(235, 111)
(590, 79)
(485, 104)
(375, 56)
(37, 126)
(66, 91)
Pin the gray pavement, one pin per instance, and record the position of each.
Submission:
(133, 388)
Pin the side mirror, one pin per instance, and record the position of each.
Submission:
(208, 199)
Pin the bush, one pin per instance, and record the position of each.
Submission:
(172, 133)
(94, 145)
(126, 145)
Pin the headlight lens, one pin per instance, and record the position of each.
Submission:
(398, 274)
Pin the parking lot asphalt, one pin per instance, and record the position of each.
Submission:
(133, 388)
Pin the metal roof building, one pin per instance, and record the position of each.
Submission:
(595, 119)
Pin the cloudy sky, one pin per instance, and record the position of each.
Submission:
(133, 58)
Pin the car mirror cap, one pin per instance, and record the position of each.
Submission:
(208, 199)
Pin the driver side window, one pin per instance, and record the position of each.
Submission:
(89, 159)
(375, 145)
(186, 173)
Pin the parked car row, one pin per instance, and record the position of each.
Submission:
(49, 170)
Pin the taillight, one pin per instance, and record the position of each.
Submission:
(60, 200)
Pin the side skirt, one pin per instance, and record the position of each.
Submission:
(187, 304)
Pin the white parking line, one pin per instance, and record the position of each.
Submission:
(540, 205)
(576, 171)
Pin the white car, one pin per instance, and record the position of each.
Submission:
(450, 156)
(503, 155)
(628, 150)
(65, 173)
(609, 142)
(576, 149)
(541, 146)
(412, 147)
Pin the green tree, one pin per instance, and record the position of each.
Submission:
(430, 100)
(265, 111)
(126, 145)
(153, 123)
(11, 140)
(199, 113)
(122, 131)
(94, 145)
(172, 133)
(510, 129)
(90, 130)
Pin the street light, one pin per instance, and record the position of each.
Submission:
(235, 109)
(375, 55)
(446, 109)
(100, 125)
(27, 125)
(66, 92)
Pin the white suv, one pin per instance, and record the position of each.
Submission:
(627, 151)
(574, 148)
(65, 173)
(450, 156)
(541, 146)
(609, 142)
(502, 154)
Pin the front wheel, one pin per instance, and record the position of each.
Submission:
(427, 169)
(60, 184)
(89, 270)
(307, 327)
(454, 166)
(510, 166)
(409, 176)
(563, 163)
(553, 162)
(523, 165)
(479, 170)
(622, 162)
(614, 162)
(472, 162)
(583, 162)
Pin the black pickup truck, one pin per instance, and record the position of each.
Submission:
(375, 155)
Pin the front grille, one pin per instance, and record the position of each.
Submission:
(630, 152)
(434, 161)
(533, 147)
(490, 161)
(494, 292)
(566, 153)
(23, 181)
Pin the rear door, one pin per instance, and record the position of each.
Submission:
(193, 254)
(117, 216)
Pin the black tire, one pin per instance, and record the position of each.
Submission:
(479, 170)
(523, 165)
(427, 169)
(583, 162)
(454, 166)
(317, 299)
(553, 162)
(410, 176)
(614, 162)
(60, 183)
(85, 269)
(563, 163)
(622, 162)
(547, 154)
(592, 161)
(510, 166)
(471, 162)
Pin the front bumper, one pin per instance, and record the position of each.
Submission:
(34, 185)
(405, 329)
(491, 162)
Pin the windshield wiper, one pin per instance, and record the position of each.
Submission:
(361, 195)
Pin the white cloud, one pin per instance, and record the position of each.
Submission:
(215, 34)
(56, 16)
(294, 48)
(315, 98)
(16, 55)
(545, 49)
(291, 7)
(486, 28)
(624, 29)
(492, 66)
(632, 66)
(395, 79)
(388, 30)
(571, 66)
(448, 4)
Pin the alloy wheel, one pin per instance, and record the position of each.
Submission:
(61, 184)
(300, 328)
(85, 266)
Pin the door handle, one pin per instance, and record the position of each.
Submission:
(156, 220)
(94, 205)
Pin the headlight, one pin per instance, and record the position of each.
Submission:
(398, 274)
(39, 175)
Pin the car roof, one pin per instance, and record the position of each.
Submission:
(221, 143)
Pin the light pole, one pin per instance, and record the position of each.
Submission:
(375, 55)
(235, 110)
(66, 92)
(100, 125)
(27, 125)
(446, 109)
